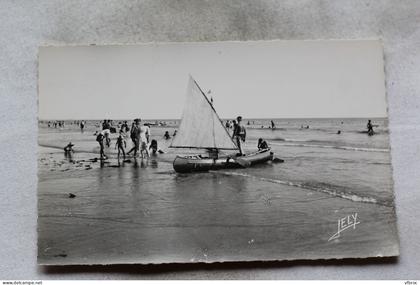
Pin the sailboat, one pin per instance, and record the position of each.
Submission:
(201, 128)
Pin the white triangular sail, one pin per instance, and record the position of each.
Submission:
(200, 125)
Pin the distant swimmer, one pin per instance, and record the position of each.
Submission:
(154, 147)
(262, 144)
(121, 144)
(100, 139)
(167, 136)
(239, 133)
(338, 132)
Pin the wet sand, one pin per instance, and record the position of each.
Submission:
(146, 213)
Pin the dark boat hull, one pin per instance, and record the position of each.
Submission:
(187, 164)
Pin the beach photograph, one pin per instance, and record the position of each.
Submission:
(214, 152)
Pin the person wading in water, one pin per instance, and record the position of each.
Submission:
(135, 137)
(121, 144)
(100, 139)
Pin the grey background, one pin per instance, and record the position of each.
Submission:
(27, 24)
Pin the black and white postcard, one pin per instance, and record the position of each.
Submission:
(214, 152)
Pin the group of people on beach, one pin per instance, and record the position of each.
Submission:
(55, 124)
(139, 134)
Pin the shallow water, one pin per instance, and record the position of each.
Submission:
(142, 211)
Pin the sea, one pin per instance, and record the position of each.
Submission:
(141, 211)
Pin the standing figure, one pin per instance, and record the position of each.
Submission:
(135, 137)
(144, 139)
(106, 128)
(167, 136)
(68, 149)
(124, 127)
(82, 126)
(121, 144)
(239, 134)
(100, 139)
(369, 127)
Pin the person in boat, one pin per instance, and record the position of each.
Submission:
(121, 144)
(135, 137)
(100, 139)
(167, 136)
(154, 147)
(262, 144)
(144, 139)
(369, 127)
(239, 134)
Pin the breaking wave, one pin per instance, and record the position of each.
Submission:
(318, 187)
(350, 148)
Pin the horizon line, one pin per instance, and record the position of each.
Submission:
(225, 118)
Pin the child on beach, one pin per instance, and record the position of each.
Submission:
(121, 144)
(69, 148)
(154, 147)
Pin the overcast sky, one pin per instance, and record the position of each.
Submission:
(275, 79)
